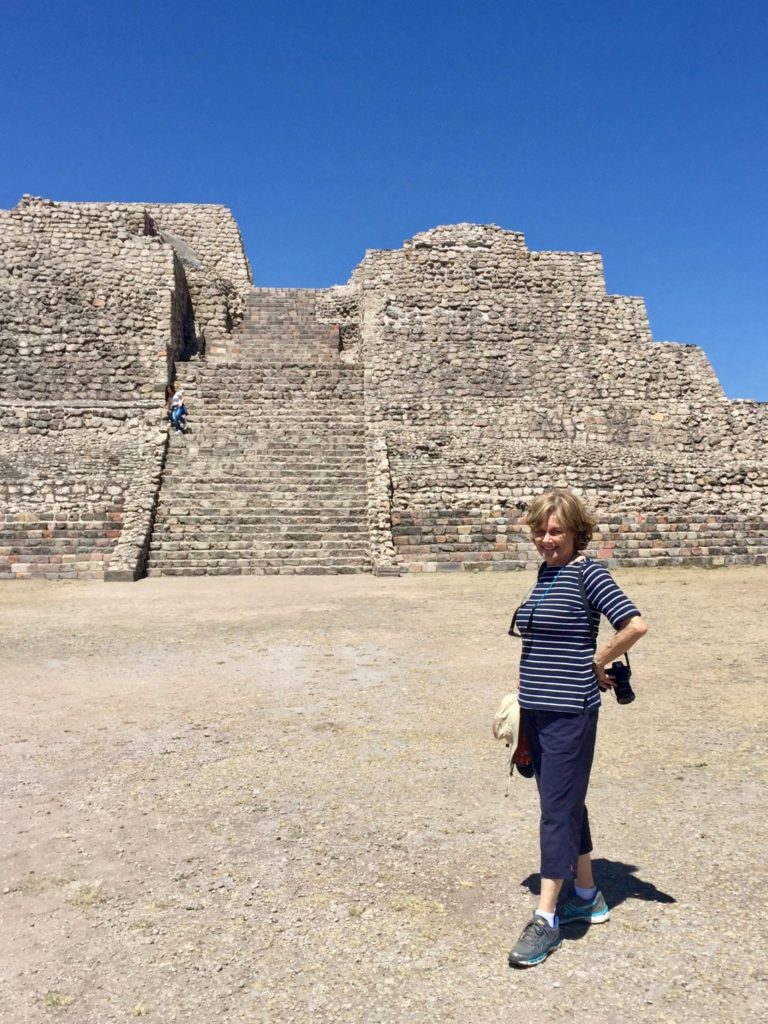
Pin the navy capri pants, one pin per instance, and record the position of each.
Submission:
(562, 748)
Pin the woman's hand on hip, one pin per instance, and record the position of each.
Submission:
(604, 681)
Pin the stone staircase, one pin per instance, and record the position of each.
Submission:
(280, 327)
(271, 476)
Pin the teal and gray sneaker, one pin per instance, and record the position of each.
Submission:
(535, 944)
(574, 908)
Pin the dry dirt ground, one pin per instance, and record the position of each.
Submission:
(277, 800)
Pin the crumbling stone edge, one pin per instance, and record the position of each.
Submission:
(129, 558)
(384, 556)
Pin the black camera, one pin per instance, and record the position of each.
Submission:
(623, 689)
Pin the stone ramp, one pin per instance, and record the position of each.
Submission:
(270, 479)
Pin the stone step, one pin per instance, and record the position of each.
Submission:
(76, 571)
(258, 401)
(278, 437)
(261, 465)
(334, 519)
(333, 522)
(327, 494)
(269, 383)
(278, 418)
(276, 569)
(268, 439)
(287, 551)
(329, 415)
(200, 369)
(246, 512)
(330, 519)
(266, 468)
(283, 325)
(213, 533)
(238, 377)
(223, 532)
(272, 476)
(249, 343)
(293, 555)
(341, 401)
(203, 483)
(263, 448)
(315, 492)
(256, 447)
(271, 534)
(222, 432)
(266, 383)
(288, 371)
(275, 387)
(268, 475)
(262, 556)
(211, 475)
(280, 422)
(191, 486)
(276, 384)
(252, 349)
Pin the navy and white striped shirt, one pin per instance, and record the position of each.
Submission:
(556, 672)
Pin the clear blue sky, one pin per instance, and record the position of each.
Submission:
(637, 129)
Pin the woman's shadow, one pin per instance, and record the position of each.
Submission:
(617, 882)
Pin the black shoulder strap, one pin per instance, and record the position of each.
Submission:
(585, 600)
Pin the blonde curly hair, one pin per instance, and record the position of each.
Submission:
(569, 509)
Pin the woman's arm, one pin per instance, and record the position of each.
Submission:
(629, 632)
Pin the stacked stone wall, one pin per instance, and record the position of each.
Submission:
(85, 303)
(212, 234)
(493, 373)
(92, 301)
(482, 374)
(461, 503)
(77, 489)
(340, 307)
(445, 541)
(207, 240)
(480, 462)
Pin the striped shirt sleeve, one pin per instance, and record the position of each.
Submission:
(606, 596)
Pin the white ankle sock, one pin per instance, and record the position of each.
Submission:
(551, 919)
(586, 894)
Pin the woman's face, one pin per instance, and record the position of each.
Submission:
(555, 544)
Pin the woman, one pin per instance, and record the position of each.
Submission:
(561, 675)
(178, 411)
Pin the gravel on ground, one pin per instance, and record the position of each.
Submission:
(277, 800)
